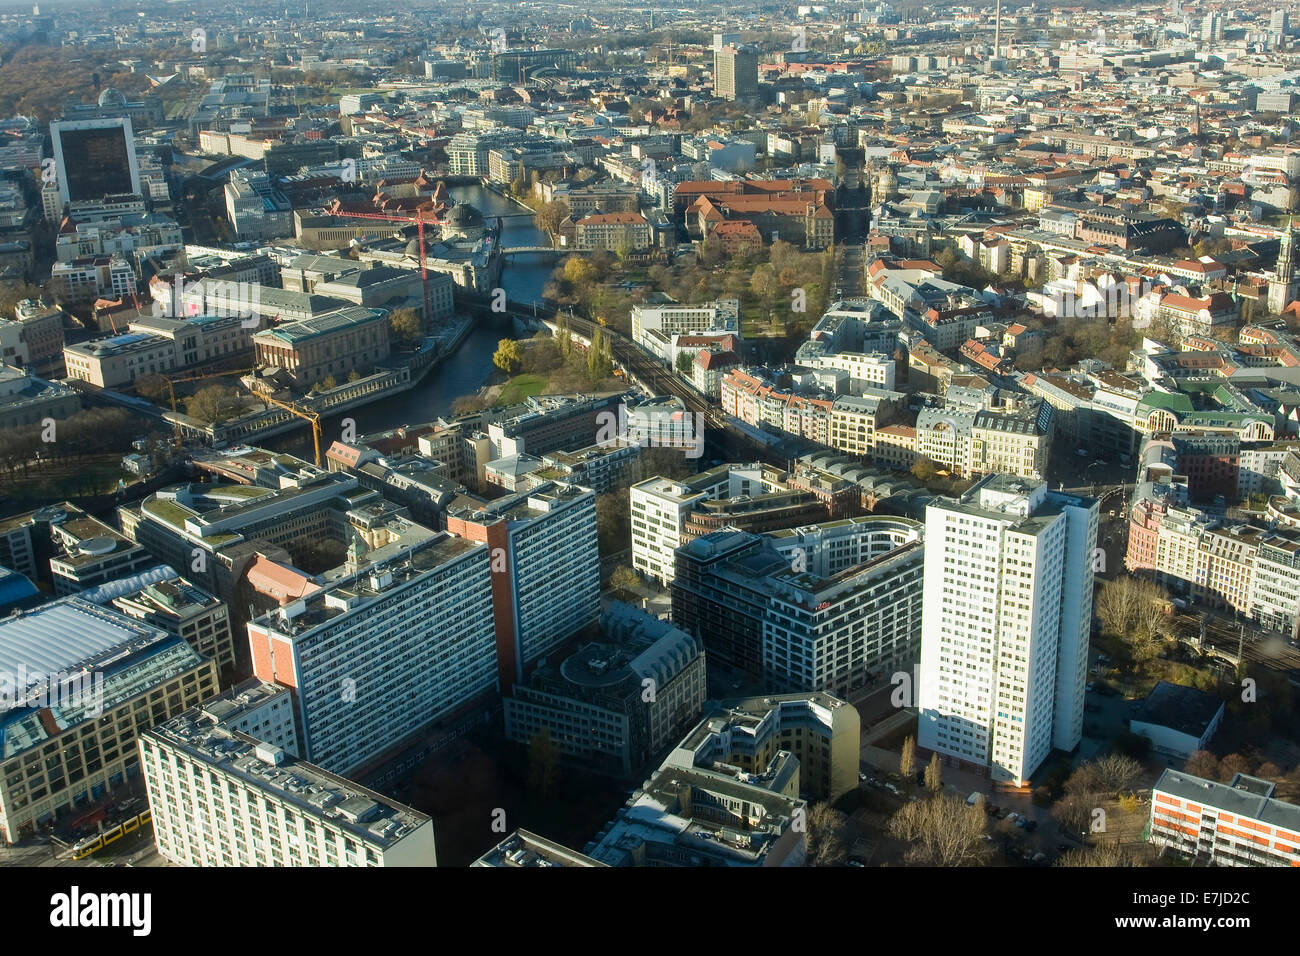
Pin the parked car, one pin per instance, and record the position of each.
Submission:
(1031, 826)
(862, 776)
(992, 809)
(1020, 824)
(1088, 688)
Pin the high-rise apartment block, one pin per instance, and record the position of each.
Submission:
(735, 73)
(1008, 610)
(545, 569)
(402, 639)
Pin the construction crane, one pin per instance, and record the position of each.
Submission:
(304, 414)
(171, 392)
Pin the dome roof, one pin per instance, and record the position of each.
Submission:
(111, 97)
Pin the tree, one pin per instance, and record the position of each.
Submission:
(1084, 780)
(763, 284)
(1269, 771)
(507, 356)
(1133, 610)
(685, 362)
(212, 403)
(579, 271)
(934, 775)
(1288, 788)
(543, 763)
(404, 327)
(826, 835)
(153, 387)
(14, 291)
(624, 580)
(466, 405)
(907, 760)
(924, 470)
(1074, 811)
(1232, 765)
(1103, 855)
(563, 340)
(1116, 773)
(550, 216)
(942, 831)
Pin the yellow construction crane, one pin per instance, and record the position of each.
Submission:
(289, 407)
(312, 417)
(171, 392)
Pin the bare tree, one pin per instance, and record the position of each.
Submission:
(1074, 811)
(1104, 854)
(826, 835)
(1117, 773)
(942, 831)
(907, 762)
(1202, 763)
(1133, 610)
(1232, 765)
(934, 775)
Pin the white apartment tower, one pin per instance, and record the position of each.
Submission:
(1004, 634)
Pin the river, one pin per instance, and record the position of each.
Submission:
(471, 365)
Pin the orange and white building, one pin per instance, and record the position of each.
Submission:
(1233, 824)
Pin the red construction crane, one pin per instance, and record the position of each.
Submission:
(419, 217)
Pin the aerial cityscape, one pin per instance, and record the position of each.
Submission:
(854, 434)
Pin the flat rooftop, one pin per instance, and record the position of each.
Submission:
(525, 849)
(316, 792)
(69, 634)
(1244, 797)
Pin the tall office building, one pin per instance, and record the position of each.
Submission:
(95, 158)
(735, 73)
(1212, 27)
(1279, 24)
(1004, 635)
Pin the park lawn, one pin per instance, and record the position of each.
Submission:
(93, 475)
(521, 387)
